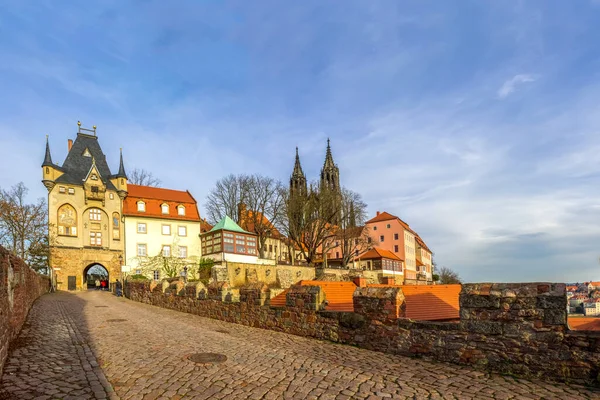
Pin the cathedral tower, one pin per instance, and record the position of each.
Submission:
(298, 179)
(330, 173)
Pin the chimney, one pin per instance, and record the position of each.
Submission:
(360, 281)
(70, 143)
(377, 214)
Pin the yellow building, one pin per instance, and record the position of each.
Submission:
(84, 212)
(162, 229)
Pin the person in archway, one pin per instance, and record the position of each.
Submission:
(97, 284)
(119, 288)
(103, 284)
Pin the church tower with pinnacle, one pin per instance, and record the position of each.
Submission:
(298, 179)
(330, 173)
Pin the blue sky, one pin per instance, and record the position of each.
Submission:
(477, 122)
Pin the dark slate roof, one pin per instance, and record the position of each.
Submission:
(77, 166)
(47, 157)
(121, 173)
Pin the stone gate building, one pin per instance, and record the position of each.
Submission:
(85, 203)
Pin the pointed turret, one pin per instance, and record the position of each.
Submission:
(48, 158)
(298, 179)
(328, 157)
(121, 173)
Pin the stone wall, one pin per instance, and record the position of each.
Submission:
(241, 274)
(509, 328)
(19, 287)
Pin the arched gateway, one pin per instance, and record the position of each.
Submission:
(94, 272)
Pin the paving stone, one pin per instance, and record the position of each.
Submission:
(71, 351)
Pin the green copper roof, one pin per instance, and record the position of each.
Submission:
(227, 224)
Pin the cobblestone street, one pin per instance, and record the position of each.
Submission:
(94, 345)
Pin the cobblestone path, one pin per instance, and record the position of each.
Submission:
(94, 345)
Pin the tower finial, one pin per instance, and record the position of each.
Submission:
(121, 173)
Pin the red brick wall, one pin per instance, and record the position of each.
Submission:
(509, 328)
(19, 287)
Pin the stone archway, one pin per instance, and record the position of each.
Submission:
(94, 272)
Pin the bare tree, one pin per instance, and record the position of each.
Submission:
(351, 234)
(170, 265)
(448, 276)
(24, 226)
(308, 223)
(225, 198)
(262, 208)
(142, 177)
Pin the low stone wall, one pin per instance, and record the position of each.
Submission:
(509, 328)
(19, 287)
(240, 274)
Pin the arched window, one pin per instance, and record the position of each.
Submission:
(141, 206)
(116, 222)
(164, 208)
(47, 170)
(67, 220)
(95, 214)
(180, 210)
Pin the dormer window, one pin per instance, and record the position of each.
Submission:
(87, 153)
(164, 208)
(141, 206)
(180, 210)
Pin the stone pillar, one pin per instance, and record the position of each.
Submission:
(255, 294)
(381, 304)
(305, 298)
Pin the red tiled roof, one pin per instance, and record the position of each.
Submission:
(155, 197)
(430, 302)
(337, 294)
(205, 226)
(247, 223)
(584, 323)
(421, 243)
(376, 253)
(572, 288)
(595, 284)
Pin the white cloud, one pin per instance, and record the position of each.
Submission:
(511, 85)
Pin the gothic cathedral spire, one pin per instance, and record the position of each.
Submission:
(298, 179)
(330, 173)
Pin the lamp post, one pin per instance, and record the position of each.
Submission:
(185, 269)
(121, 268)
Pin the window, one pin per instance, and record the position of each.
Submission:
(374, 228)
(142, 250)
(337, 254)
(47, 170)
(95, 214)
(369, 240)
(166, 229)
(396, 248)
(71, 191)
(62, 189)
(166, 251)
(182, 230)
(381, 238)
(94, 189)
(141, 227)
(87, 153)
(270, 248)
(156, 275)
(395, 236)
(182, 251)
(180, 210)
(67, 221)
(111, 196)
(95, 238)
(141, 206)
(164, 208)
(116, 222)
(388, 226)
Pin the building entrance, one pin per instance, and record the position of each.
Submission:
(95, 274)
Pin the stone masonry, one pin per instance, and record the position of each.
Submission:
(19, 287)
(515, 329)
